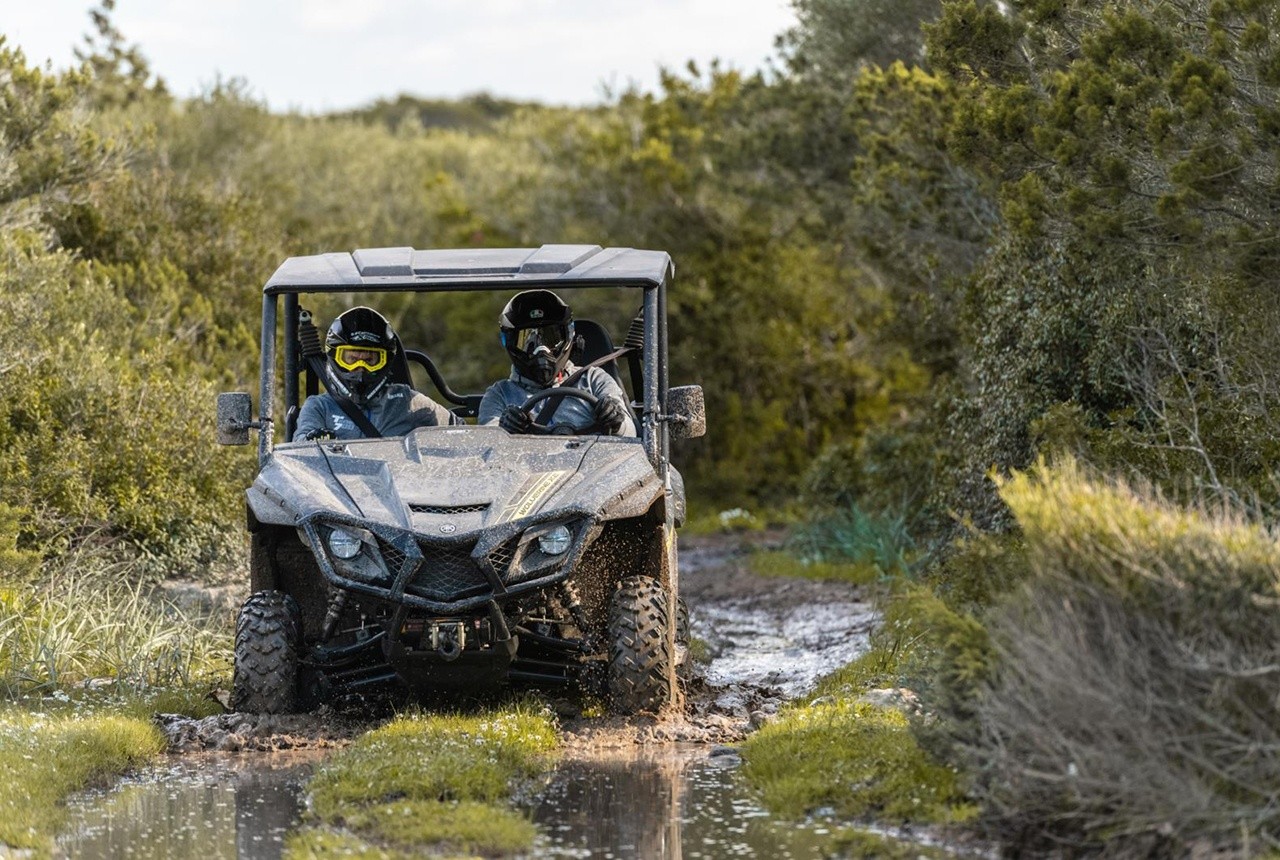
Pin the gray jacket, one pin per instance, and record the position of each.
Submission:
(399, 410)
(516, 389)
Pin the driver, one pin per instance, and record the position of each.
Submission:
(536, 327)
(360, 348)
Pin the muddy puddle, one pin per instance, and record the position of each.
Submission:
(208, 806)
(671, 802)
(663, 802)
(768, 640)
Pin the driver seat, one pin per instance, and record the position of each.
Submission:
(594, 342)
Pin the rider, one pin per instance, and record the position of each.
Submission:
(360, 349)
(536, 327)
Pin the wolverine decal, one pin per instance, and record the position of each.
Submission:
(532, 495)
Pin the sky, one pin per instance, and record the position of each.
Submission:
(323, 55)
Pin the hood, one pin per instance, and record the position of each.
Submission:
(452, 479)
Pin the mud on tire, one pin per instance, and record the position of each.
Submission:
(639, 652)
(266, 669)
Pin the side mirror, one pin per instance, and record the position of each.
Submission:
(686, 412)
(235, 417)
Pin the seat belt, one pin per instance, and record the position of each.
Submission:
(309, 340)
(549, 407)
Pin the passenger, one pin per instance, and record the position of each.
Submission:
(536, 328)
(361, 348)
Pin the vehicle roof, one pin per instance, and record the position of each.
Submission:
(410, 269)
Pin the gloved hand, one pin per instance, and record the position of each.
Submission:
(318, 435)
(515, 420)
(609, 415)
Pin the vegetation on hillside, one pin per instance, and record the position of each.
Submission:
(933, 244)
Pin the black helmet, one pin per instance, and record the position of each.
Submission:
(361, 347)
(536, 327)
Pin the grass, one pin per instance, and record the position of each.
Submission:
(100, 623)
(785, 564)
(46, 757)
(430, 782)
(1134, 707)
(856, 759)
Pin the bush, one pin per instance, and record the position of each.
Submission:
(1134, 707)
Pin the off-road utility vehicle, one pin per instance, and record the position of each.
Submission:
(463, 557)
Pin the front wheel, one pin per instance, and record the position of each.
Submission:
(267, 641)
(639, 650)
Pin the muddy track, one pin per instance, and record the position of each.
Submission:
(768, 640)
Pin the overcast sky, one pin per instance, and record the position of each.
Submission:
(319, 55)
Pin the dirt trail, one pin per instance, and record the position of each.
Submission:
(769, 640)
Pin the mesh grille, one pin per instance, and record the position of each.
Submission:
(392, 556)
(501, 557)
(448, 572)
(449, 509)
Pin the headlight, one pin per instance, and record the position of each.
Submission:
(556, 541)
(344, 544)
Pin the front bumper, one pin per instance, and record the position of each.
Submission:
(449, 574)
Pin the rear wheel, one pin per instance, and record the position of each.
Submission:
(639, 651)
(267, 642)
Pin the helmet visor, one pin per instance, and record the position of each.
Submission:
(553, 337)
(349, 357)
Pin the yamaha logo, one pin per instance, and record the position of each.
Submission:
(448, 528)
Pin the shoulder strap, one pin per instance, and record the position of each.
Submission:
(551, 404)
(352, 411)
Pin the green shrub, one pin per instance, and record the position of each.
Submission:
(851, 535)
(1134, 703)
(92, 618)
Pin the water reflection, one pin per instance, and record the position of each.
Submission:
(670, 802)
(208, 807)
(674, 803)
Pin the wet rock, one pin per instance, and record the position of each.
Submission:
(722, 750)
(259, 732)
(898, 698)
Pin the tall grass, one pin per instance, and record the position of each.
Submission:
(91, 617)
(850, 535)
(1134, 708)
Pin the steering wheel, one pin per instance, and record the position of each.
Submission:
(561, 391)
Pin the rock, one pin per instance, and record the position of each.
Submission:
(898, 698)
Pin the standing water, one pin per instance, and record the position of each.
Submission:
(670, 802)
(768, 640)
(207, 806)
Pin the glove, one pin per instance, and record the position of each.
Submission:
(515, 420)
(318, 435)
(609, 415)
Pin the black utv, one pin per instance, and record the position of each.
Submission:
(463, 557)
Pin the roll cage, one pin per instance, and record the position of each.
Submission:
(555, 267)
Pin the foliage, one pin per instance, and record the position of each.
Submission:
(93, 618)
(1132, 143)
(878, 543)
(1133, 707)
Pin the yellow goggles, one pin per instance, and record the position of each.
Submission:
(354, 357)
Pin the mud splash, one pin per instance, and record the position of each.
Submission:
(626, 787)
